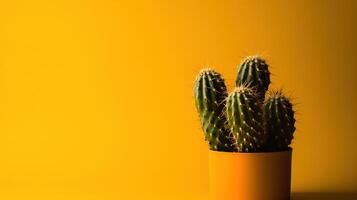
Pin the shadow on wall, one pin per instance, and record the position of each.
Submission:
(324, 196)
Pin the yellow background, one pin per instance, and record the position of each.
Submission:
(96, 96)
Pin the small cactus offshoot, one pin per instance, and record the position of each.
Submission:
(280, 121)
(254, 72)
(244, 121)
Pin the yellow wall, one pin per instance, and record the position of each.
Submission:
(96, 96)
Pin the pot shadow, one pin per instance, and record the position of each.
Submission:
(324, 196)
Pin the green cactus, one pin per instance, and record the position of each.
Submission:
(245, 117)
(243, 121)
(210, 93)
(254, 72)
(279, 121)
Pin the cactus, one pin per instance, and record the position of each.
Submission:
(254, 71)
(210, 93)
(279, 121)
(243, 121)
(245, 117)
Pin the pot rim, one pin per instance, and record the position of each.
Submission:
(289, 150)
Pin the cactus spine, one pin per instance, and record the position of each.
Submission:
(245, 117)
(254, 72)
(210, 93)
(279, 121)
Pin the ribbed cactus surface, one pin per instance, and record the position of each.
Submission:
(245, 118)
(279, 121)
(210, 93)
(254, 72)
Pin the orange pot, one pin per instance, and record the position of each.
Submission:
(250, 176)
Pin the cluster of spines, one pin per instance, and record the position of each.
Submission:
(210, 94)
(279, 121)
(244, 117)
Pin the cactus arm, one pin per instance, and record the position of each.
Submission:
(244, 117)
(279, 121)
(254, 71)
(210, 94)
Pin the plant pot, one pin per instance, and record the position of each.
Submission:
(250, 176)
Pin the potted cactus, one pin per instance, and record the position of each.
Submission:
(248, 132)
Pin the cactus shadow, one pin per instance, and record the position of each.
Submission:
(324, 196)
